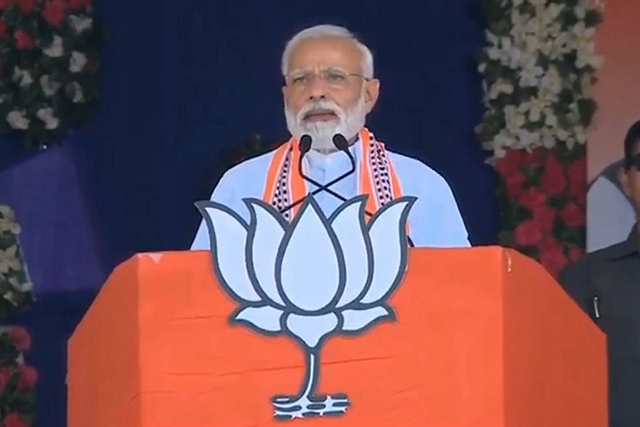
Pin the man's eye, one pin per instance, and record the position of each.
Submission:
(336, 77)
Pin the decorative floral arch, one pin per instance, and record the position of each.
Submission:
(539, 66)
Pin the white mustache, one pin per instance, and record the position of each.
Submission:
(323, 105)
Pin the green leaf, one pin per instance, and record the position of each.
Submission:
(505, 237)
(531, 172)
(592, 18)
(587, 109)
(530, 251)
(557, 202)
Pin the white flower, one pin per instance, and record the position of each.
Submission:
(586, 85)
(76, 90)
(534, 107)
(499, 87)
(528, 139)
(7, 214)
(586, 57)
(21, 287)
(9, 225)
(49, 86)
(574, 114)
(580, 134)
(46, 115)
(538, 40)
(55, 49)
(532, 43)
(18, 120)
(554, 29)
(562, 134)
(9, 259)
(504, 51)
(556, 47)
(514, 119)
(77, 62)
(546, 138)
(22, 76)
(530, 73)
(550, 85)
(523, 29)
(597, 6)
(501, 141)
(281, 288)
(550, 118)
(80, 23)
(581, 39)
(553, 11)
(26, 286)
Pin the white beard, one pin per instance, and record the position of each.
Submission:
(348, 123)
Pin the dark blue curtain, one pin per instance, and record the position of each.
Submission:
(186, 80)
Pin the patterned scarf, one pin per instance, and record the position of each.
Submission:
(378, 179)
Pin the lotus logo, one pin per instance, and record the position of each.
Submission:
(309, 279)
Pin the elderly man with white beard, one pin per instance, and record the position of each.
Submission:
(329, 89)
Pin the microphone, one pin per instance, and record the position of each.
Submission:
(341, 143)
(305, 145)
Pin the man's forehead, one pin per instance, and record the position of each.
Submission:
(325, 52)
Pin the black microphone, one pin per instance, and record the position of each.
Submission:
(305, 145)
(341, 143)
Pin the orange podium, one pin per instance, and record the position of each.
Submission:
(482, 337)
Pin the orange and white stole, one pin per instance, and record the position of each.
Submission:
(378, 179)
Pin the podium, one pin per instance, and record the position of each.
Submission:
(483, 337)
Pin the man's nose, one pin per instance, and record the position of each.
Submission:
(317, 90)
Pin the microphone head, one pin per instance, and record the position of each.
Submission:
(305, 144)
(340, 142)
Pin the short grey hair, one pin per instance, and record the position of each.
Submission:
(329, 31)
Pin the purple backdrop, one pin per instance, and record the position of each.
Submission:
(57, 237)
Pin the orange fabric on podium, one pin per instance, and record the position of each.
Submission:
(484, 337)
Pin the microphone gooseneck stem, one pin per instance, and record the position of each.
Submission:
(341, 144)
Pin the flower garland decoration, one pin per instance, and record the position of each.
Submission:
(16, 288)
(17, 379)
(49, 68)
(538, 68)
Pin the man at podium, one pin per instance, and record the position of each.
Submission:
(329, 88)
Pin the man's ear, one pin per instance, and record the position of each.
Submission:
(371, 93)
(623, 178)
